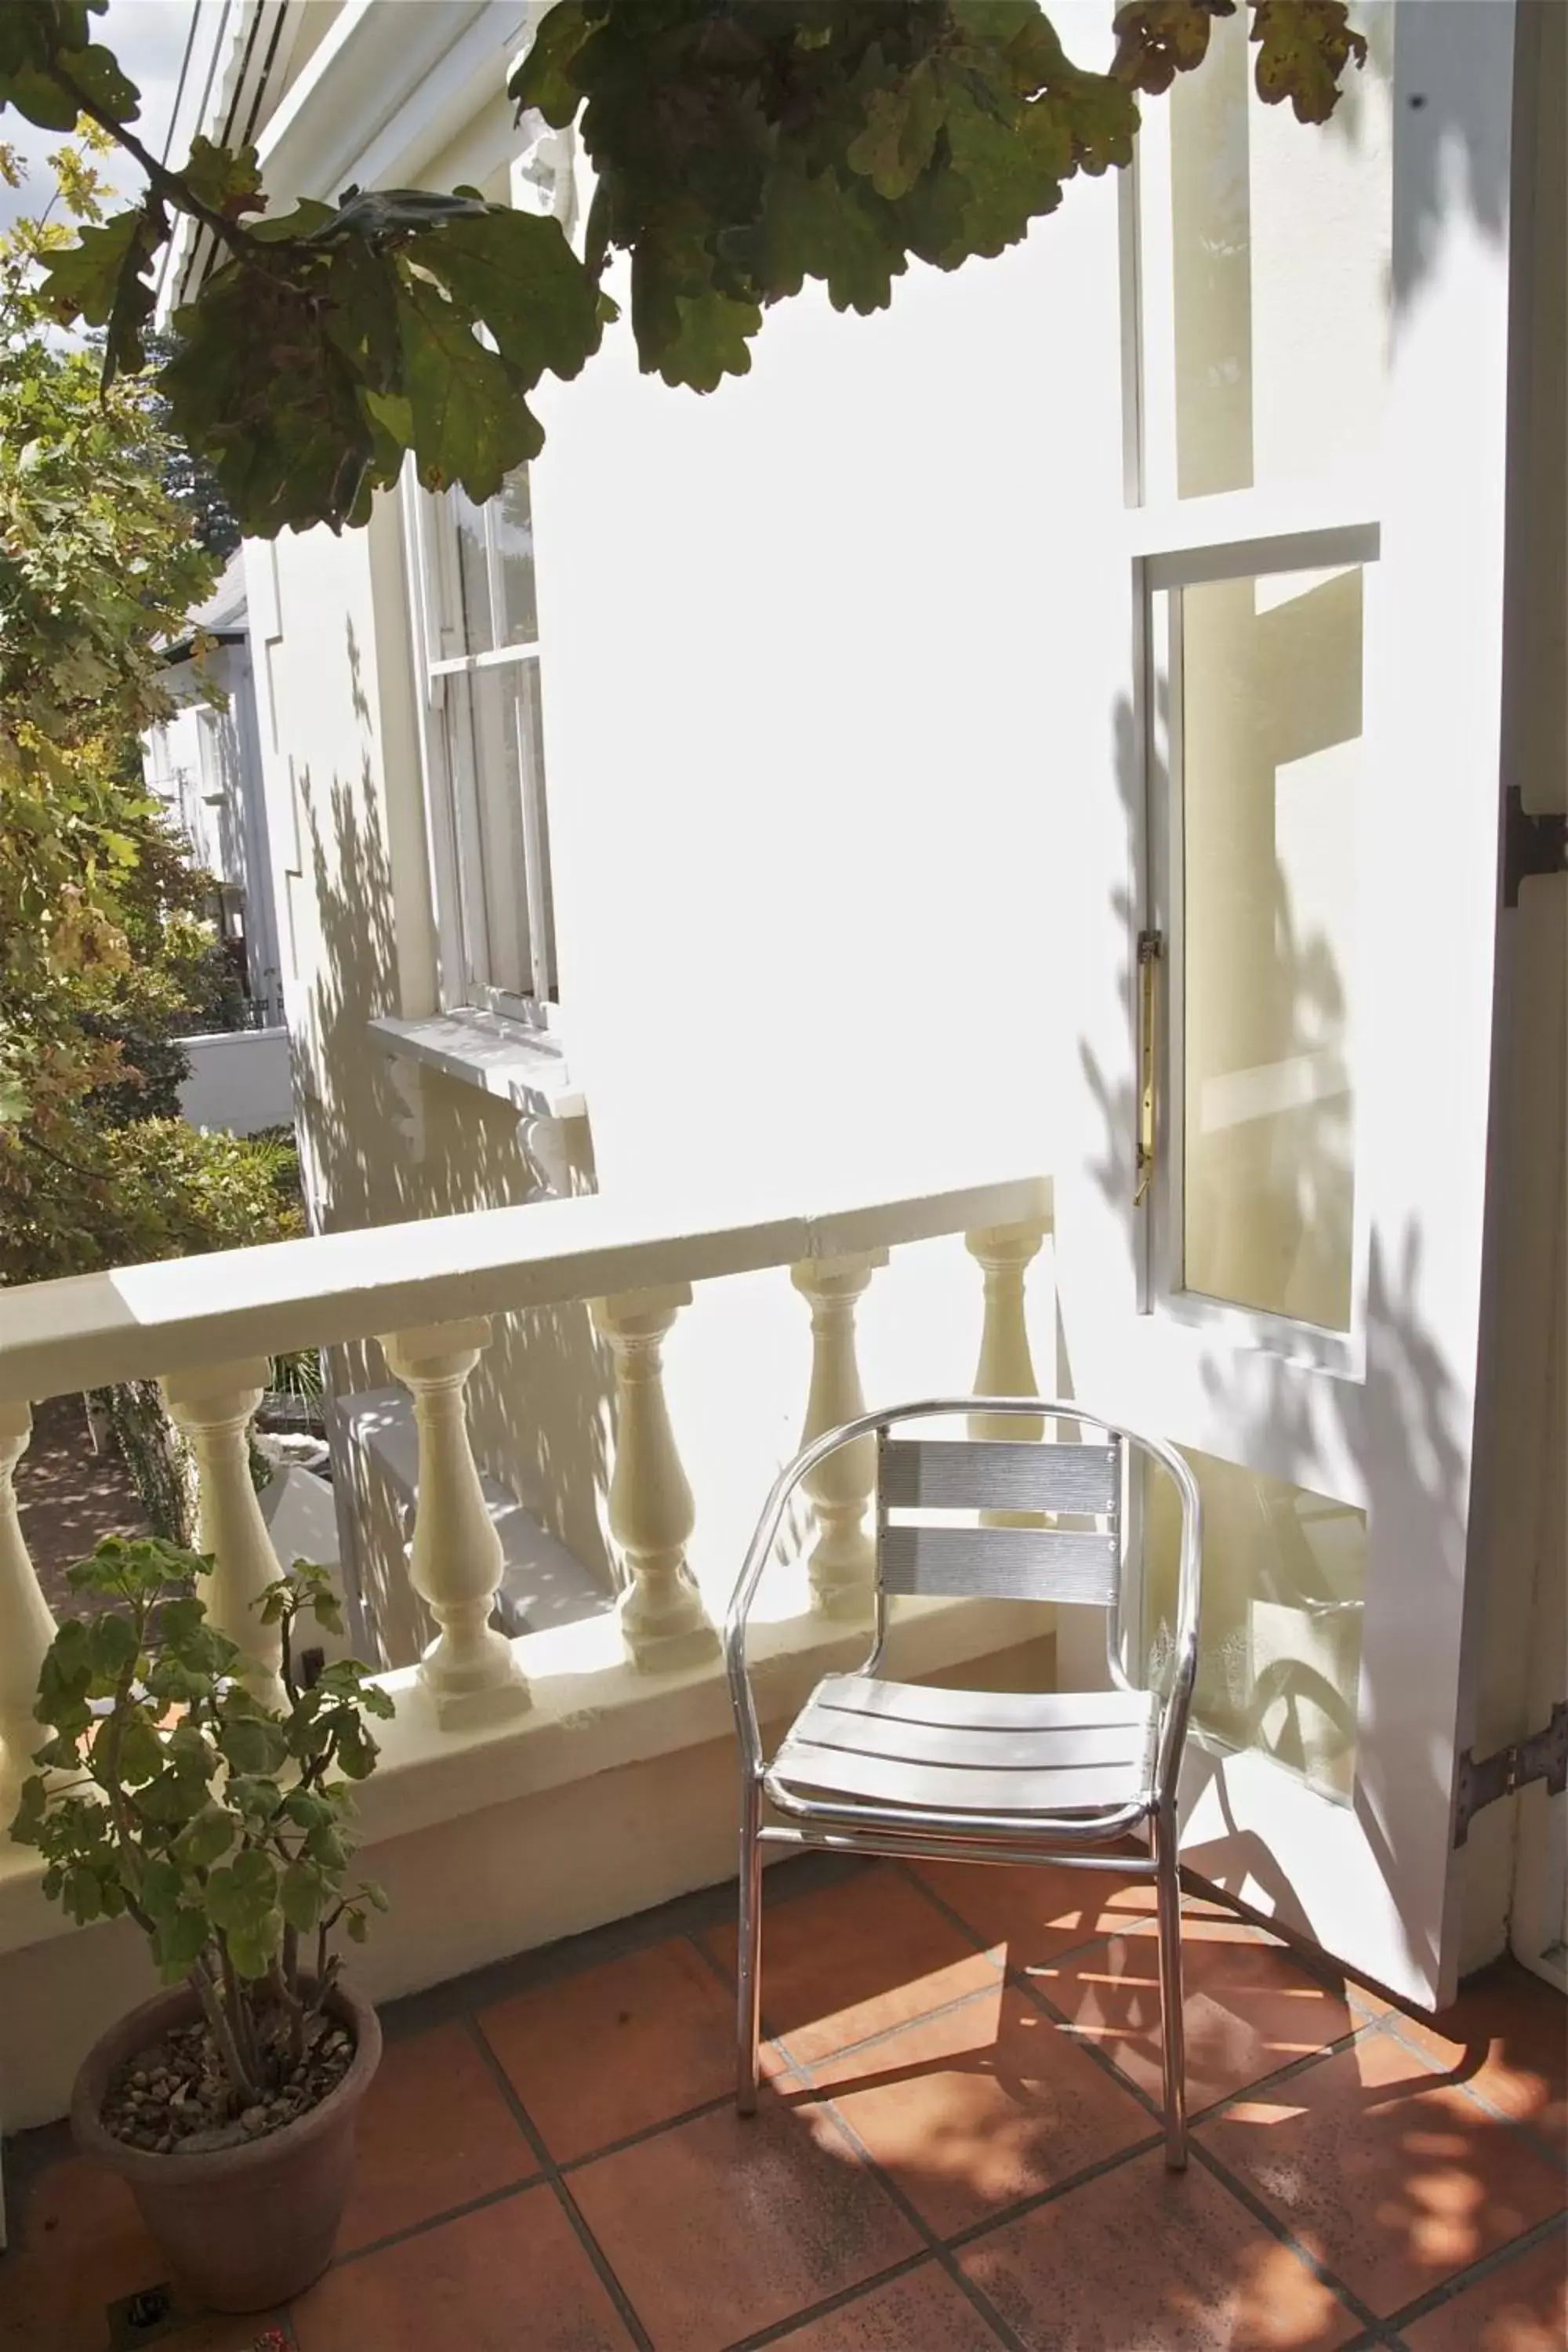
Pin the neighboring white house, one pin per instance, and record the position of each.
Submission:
(205, 764)
(1064, 724)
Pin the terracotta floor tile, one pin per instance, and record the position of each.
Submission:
(511, 2276)
(1523, 2308)
(1040, 1911)
(972, 2109)
(921, 2311)
(856, 1960)
(435, 2132)
(1507, 2036)
(1395, 2179)
(720, 2226)
(1143, 2260)
(598, 2056)
(1250, 2007)
(77, 2246)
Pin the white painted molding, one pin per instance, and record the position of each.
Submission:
(213, 1407)
(650, 1508)
(454, 1562)
(26, 1624)
(843, 1563)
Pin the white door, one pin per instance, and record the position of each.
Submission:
(1270, 1247)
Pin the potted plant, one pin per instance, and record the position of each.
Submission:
(223, 1827)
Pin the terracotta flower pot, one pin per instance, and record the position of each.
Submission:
(244, 2228)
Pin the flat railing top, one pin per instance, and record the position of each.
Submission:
(93, 1330)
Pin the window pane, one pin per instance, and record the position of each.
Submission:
(495, 717)
(1280, 1627)
(511, 519)
(475, 633)
(1280, 254)
(1270, 724)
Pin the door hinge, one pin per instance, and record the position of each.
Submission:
(1481, 1781)
(1531, 843)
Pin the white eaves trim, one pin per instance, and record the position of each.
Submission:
(387, 89)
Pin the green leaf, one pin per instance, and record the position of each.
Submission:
(545, 80)
(1158, 39)
(180, 1941)
(252, 1947)
(206, 1837)
(82, 1895)
(357, 1924)
(240, 1894)
(1304, 46)
(470, 423)
(162, 1884)
(300, 1892)
(96, 72)
(227, 180)
(517, 273)
(811, 228)
(250, 1743)
(174, 1798)
(140, 1753)
(100, 279)
(112, 1645)
(902, 121)
(28, 1816)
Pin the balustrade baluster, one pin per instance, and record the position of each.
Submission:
(213, 1406)
(1005, 1367)
(455, 1560)
(26, 1625)
(651, 1511)
(842, 1565)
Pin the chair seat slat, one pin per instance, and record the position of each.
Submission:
(999, 1475)
(938, 1743)
(986, 1710)
(952, 1788)
(1001, 1563)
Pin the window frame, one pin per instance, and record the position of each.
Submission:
(1172, 543)
(455, 795)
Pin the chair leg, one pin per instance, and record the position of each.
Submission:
(748, 2021)
(1172, 2032)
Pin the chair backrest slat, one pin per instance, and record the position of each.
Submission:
(1002, 1563)
(999, 1475)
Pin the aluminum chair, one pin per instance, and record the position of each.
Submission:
(872, 1766)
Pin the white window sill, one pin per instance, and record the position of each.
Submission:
(524, 1066)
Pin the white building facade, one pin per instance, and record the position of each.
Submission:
(1056, 734)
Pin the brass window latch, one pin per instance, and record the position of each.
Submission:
(1150, 949)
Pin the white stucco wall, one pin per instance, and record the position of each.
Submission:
(804, 642)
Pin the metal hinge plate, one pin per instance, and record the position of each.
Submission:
(1531, 843)
(1481, 1781)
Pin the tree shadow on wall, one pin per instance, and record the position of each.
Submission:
(387, 1141)
(1260, 1684)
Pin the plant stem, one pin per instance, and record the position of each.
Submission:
(166, 184)
(245, 2087)
(238, 2008)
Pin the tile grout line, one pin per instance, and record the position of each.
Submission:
(1373, 2324)
(429, 2222)
(1501, 2258)
(810, 2312)
(565, 2198)
(935, 2245)
(1346, 2296)
(1391, 2021)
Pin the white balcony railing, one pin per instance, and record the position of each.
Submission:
(205, 1327)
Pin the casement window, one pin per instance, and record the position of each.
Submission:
(476, 641)
(1258, 371)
